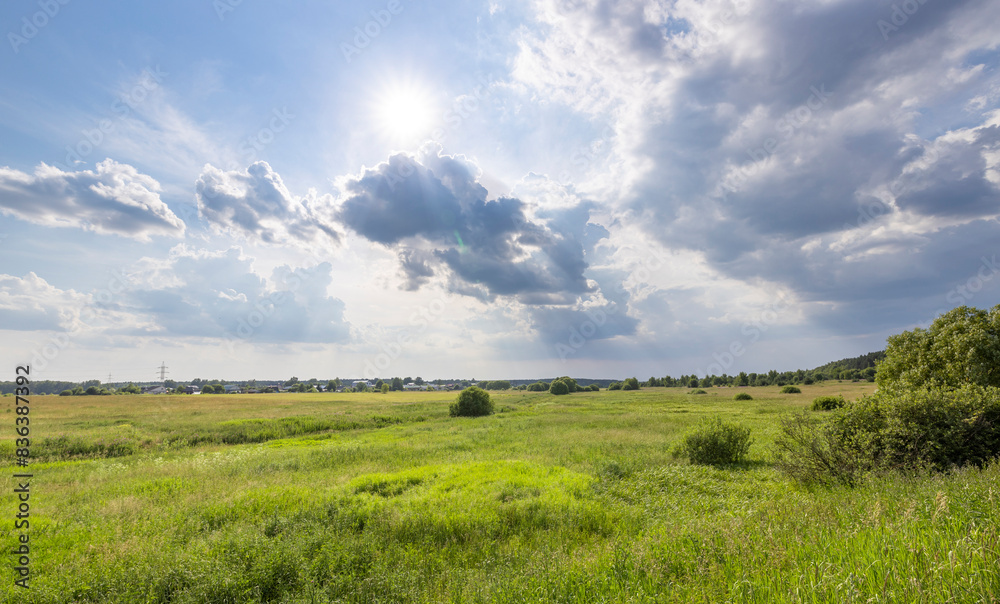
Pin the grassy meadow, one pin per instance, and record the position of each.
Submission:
(307, 498)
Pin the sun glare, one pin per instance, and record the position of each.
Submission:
(405, 114)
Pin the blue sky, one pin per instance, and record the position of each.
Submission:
(489, 189)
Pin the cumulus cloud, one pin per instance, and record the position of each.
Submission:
(806, 146)
(255, 204)
(192, 293)
(432, 210)
(30, 303)
(116, 199)
(220, 295)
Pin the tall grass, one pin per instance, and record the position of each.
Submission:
(554, 499)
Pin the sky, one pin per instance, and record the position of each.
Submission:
(243, 189)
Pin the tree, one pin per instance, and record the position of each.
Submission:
(538, 387)
(93, 390)
(419, 381)
(397, 384)
(559, 387)
(384, 388)
(630, 384)
(472, 402)
(743, 379)
(960, 348)
(570, 383)
(291, 382)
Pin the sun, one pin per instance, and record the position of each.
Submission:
(404, 114)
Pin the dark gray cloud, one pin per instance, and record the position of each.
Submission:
(434, 212)
(116, 199)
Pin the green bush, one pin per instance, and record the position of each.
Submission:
(697, 391)
(790, 390)
(894, 431)
(538, 387)
(559, 387)
(828, 403)
(716, 443)
(595, 388)
(742, 396)
(961, 347)
(615, 386)
(472, 402)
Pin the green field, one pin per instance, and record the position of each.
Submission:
(385, 498)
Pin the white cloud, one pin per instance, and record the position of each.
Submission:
(116, 199)
(256, 205)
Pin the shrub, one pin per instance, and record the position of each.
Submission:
(790, 390)
(716, 443)
(615, 386)
(742, 396)
(631, 384)
(697, 391)
(539, 387)
(559, 387)
(472, 402)
(828, 403)
(894, 431)
(595, 388)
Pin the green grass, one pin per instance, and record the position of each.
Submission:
(384, 498)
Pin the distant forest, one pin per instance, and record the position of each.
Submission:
(857, 368)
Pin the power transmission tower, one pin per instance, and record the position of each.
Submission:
(163, 371)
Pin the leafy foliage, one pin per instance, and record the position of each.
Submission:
(742, 396)
(716, 443)
(559, 387)
(472, 402)
(698, 391)
(828, 403)
(961, 347)
(907, 431)
(791, 390)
